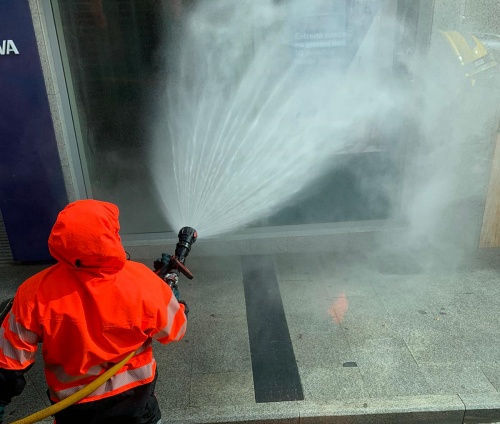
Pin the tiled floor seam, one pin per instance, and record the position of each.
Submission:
(465, 408)
(411, 353)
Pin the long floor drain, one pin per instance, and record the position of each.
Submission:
(275, 372)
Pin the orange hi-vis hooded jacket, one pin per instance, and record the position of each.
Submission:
(91, 309)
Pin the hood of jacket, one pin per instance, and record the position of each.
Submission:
(86, 236)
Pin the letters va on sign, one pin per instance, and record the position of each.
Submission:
(8, 47)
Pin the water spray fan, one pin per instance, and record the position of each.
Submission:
(172, 265)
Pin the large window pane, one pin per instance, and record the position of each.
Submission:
(118, 55)
(112, 49)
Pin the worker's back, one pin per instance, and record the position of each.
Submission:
(89, 311)
(87, 322)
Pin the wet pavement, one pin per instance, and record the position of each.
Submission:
(329, 338)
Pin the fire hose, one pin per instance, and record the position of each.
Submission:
(75, 397)
(164, 268)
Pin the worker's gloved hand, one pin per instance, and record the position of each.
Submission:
(172, 279)
(186, 309)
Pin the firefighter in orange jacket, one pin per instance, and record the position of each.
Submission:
(90, 310)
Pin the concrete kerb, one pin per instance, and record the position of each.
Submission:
(430, 409)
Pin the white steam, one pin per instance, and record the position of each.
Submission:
(246, 124)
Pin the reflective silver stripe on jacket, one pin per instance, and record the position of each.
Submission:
(25, 335)
(172, 310)
(114, 383)
(182, 331)
(63, 377)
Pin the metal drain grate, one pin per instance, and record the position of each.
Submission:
(5, 252)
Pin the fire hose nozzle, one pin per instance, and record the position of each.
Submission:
(175, 264)
(187, 237)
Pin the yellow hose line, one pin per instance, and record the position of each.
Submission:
(75, 397)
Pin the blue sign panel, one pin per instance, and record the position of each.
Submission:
(32, 189)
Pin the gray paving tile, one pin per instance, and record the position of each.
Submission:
(439, 347)
(349, 286)
(212, 285)
(339, 264)
(218, 267)
(418, 308)
(300, 267)
(176, 355)
(481, 408)
(216, 290)
(229, 247)
(395, 410)
(366, 318)
(457, 379)
(363, 241)
(483, 283)
(492, 372)
(26, 404)
(388, 368)
(323, 243)
(318, 341)
(322, 321)
(404, 379)
(485, 347)
(261, 413)
(267, 246)
(214, 298)
(480, 260)
(401, 263)
(488, 258)
(233, 388)
(220, 345)
(409, 333)
(327, 384)
(424, 303)
(415, 287)
(221, 359)
(321, 350)
(306, 297)
(173, 386)
(347, 275)
(391, 351)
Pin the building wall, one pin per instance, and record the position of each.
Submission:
(57, 98)
(32, 190)
(470, 135)
(470, 166)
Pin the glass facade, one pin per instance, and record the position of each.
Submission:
(112, 69)
(119, 54)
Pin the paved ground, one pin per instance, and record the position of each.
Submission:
(377, 339)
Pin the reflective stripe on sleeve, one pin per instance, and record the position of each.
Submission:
(173, 309)
(22, 332)
(19, 355)
(182, 331)
(21, 351)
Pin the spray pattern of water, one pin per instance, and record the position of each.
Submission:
(244, 127)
